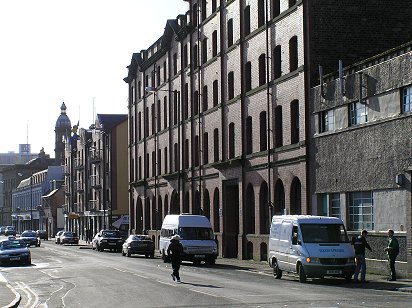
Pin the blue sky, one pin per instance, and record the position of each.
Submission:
(74, 51)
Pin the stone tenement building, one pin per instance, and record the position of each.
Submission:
(218, 109)
(95, 169)
(361, 158)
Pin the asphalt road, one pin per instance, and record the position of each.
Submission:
(67, 276)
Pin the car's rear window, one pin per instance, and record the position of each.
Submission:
(111, 233)
(29, 234)
(70, 234)
(141, 238)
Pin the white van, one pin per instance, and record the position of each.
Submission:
(311, 246)
(196, 236)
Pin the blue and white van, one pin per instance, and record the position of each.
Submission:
(196, 236)
(311, 246)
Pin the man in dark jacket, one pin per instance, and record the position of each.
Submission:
(360, 243)
(175, 251)
(392, 250)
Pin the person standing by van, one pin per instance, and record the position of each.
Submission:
(392, 250)
(175, 251)
(360, 243)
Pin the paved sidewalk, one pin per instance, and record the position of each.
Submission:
(11, 298)
(8, 296)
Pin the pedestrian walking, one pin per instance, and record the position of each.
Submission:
(175, 251)
(360, 243)
(392, 250)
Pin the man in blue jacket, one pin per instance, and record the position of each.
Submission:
(360, 243)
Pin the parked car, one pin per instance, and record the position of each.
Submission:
(69, 237)
(30, 238)
(138, 244)
(2, 230)
(57, 237)
(42, 234)
(10, 231)
(13, 250)
(107, 239)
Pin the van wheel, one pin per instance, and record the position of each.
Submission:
(277, 272)
(302, 275)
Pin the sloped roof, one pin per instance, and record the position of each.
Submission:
(108, 121)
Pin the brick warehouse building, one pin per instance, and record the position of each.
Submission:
(218, 117)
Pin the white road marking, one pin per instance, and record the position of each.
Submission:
(29, 292)
(205, 293)
(2, 279)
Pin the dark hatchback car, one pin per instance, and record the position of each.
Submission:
(30, 238)
(42, 234)
(108, 239)
(13, 251)
(69, 237)
(138, 244)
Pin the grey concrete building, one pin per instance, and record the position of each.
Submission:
(361, 149)
(218, 117)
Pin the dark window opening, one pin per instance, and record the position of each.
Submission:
(186, 154)
(216, 145)
(293, 53)
(215, 93)
(205, 148)
(231, 85)
(174, 64)
(263, 131)
(262, 69)
(195, 63)
(277, 72)
(205, 98)
(196, 103)
(196, 151)
(204, 51)
(261, 13)
(248, 76)
(249, 135)
(231, 140)
(246, 13)
(278, 127)
(229, 32)
(214, 43)
(294, 121)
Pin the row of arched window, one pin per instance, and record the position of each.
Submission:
(150, 213)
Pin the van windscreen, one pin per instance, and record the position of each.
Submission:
(323, 233)
(195, 233)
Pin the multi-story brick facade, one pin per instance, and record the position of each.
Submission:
(223, 129)
(361, 158)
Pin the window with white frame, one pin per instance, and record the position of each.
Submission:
(407, 99)
(327, 121)
(358, 113)
(361, 210)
